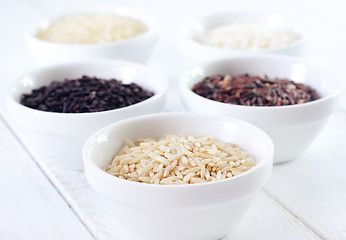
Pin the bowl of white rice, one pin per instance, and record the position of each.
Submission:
(187, 174)
(125, 34)
(233, 33)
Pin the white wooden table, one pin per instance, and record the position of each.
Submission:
(304, 199)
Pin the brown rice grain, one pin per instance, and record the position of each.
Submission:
(191, 170)
(188, 177)
(179, 160)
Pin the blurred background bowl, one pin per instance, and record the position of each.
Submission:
(138, 48)
(197, 52)
(59, 137)
(201, 211)
(292, 128)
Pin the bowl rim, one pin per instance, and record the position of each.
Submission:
(53, 67)
(303, 37)
(145, 17)
(89, 164)
(184, 79)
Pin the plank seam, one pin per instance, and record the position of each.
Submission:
(294, 215)
(51, 179)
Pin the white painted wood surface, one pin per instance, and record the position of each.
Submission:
(313, 187)
(30, 206)
(304, 199)
(264, 215)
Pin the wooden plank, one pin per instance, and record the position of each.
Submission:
(30, 207)
(265, 220)
(268, 220)
(313, 187)
(94, 210)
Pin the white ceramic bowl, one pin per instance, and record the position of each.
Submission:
(59, 137)
(185, 212)
(137, 49)
(198, 52)
(292, 128)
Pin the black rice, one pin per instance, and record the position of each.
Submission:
(86, 94)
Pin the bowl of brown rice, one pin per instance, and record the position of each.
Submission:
(163, 172)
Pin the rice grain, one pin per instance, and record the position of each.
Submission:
(179, 160)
